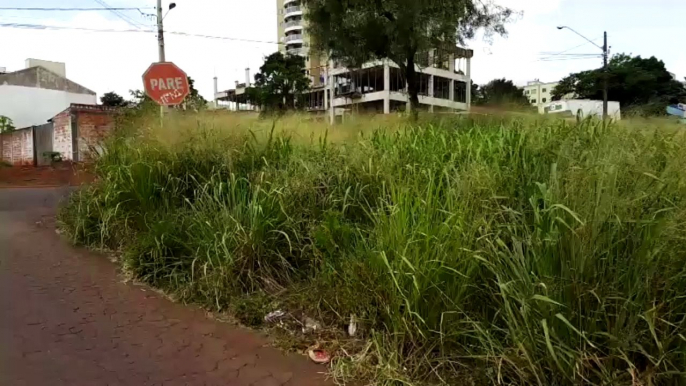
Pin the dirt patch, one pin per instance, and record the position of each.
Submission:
(62, 174)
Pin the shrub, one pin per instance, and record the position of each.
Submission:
(488, 250)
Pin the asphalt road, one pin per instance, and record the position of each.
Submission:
(68, 318)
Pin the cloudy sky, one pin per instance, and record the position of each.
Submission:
(106, 61)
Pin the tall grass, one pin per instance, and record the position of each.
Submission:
(474, 251)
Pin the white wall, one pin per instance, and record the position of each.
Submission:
(536, 93)
(58, 68)
(28, 106)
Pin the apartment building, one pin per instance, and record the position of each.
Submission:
(294, 39)
(444, 84)
(539, 93)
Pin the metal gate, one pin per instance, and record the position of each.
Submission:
(42, 144)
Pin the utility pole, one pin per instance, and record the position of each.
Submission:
(605, 75)
(160, 46)
(605, 68)
(160, 32)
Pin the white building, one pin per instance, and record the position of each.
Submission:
(539, 93)
(35, 94)
(444, 77)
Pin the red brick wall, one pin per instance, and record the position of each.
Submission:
(17, 147)
(62, 138)
(92, 128)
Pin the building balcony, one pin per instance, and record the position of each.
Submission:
(293, 11)
(296, 51)
(293, 25)
(293, 39)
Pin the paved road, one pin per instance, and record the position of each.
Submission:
(67, 318)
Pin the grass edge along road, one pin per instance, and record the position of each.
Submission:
(472, 251)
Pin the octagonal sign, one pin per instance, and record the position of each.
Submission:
(166, 84)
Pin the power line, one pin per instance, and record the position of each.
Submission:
(569, 49)
(120, 15)
(187, 34)
(70, 9)
(566, 59)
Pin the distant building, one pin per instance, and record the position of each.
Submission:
(444, 76)
(35, 94)
(539, 93)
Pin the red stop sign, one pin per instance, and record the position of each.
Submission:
(166, 83)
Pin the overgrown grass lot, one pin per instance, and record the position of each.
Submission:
(473, 251)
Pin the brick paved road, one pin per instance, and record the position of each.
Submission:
(66, 318)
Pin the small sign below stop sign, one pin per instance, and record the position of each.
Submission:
(166, 83)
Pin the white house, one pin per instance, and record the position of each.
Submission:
(539, 93)
(35, 94)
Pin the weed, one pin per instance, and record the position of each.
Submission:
(490, 250)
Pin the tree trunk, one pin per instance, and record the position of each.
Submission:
(412, 87)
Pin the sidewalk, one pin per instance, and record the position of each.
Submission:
(68, 319)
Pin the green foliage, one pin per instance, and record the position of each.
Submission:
(473, 251)
(500, 92)
(356, 31)
(6, 124)
(631, 81)
(112, 99)
(280, 84)
(194, 100)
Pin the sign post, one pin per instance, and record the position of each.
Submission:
(166, 84)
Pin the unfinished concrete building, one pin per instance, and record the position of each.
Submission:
(378, 86)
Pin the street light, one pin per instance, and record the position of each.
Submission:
(605, 57)
(171, 6)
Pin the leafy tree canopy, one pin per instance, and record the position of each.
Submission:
(280, 83)
(194, 100)
(501, 92)
(6, 124)
(632, 80)
(355, 31)
(112, 99)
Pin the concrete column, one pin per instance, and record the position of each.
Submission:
(469, 83)
(216, 90)
(431, 92)
(326, 91)
(386, 87)
(452, 90)
(332, 87)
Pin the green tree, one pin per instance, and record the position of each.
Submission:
(632, 80)
(194, 100)
(280, 83)
(112, 99)
(355, 31)
(140, 100)
(6, 124)
(501, 92)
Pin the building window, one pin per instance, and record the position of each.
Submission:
(533, 101)
(544, 90)
(545, 100)
(526, 92)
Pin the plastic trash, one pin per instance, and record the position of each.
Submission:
(319, 356)
(274, 316)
